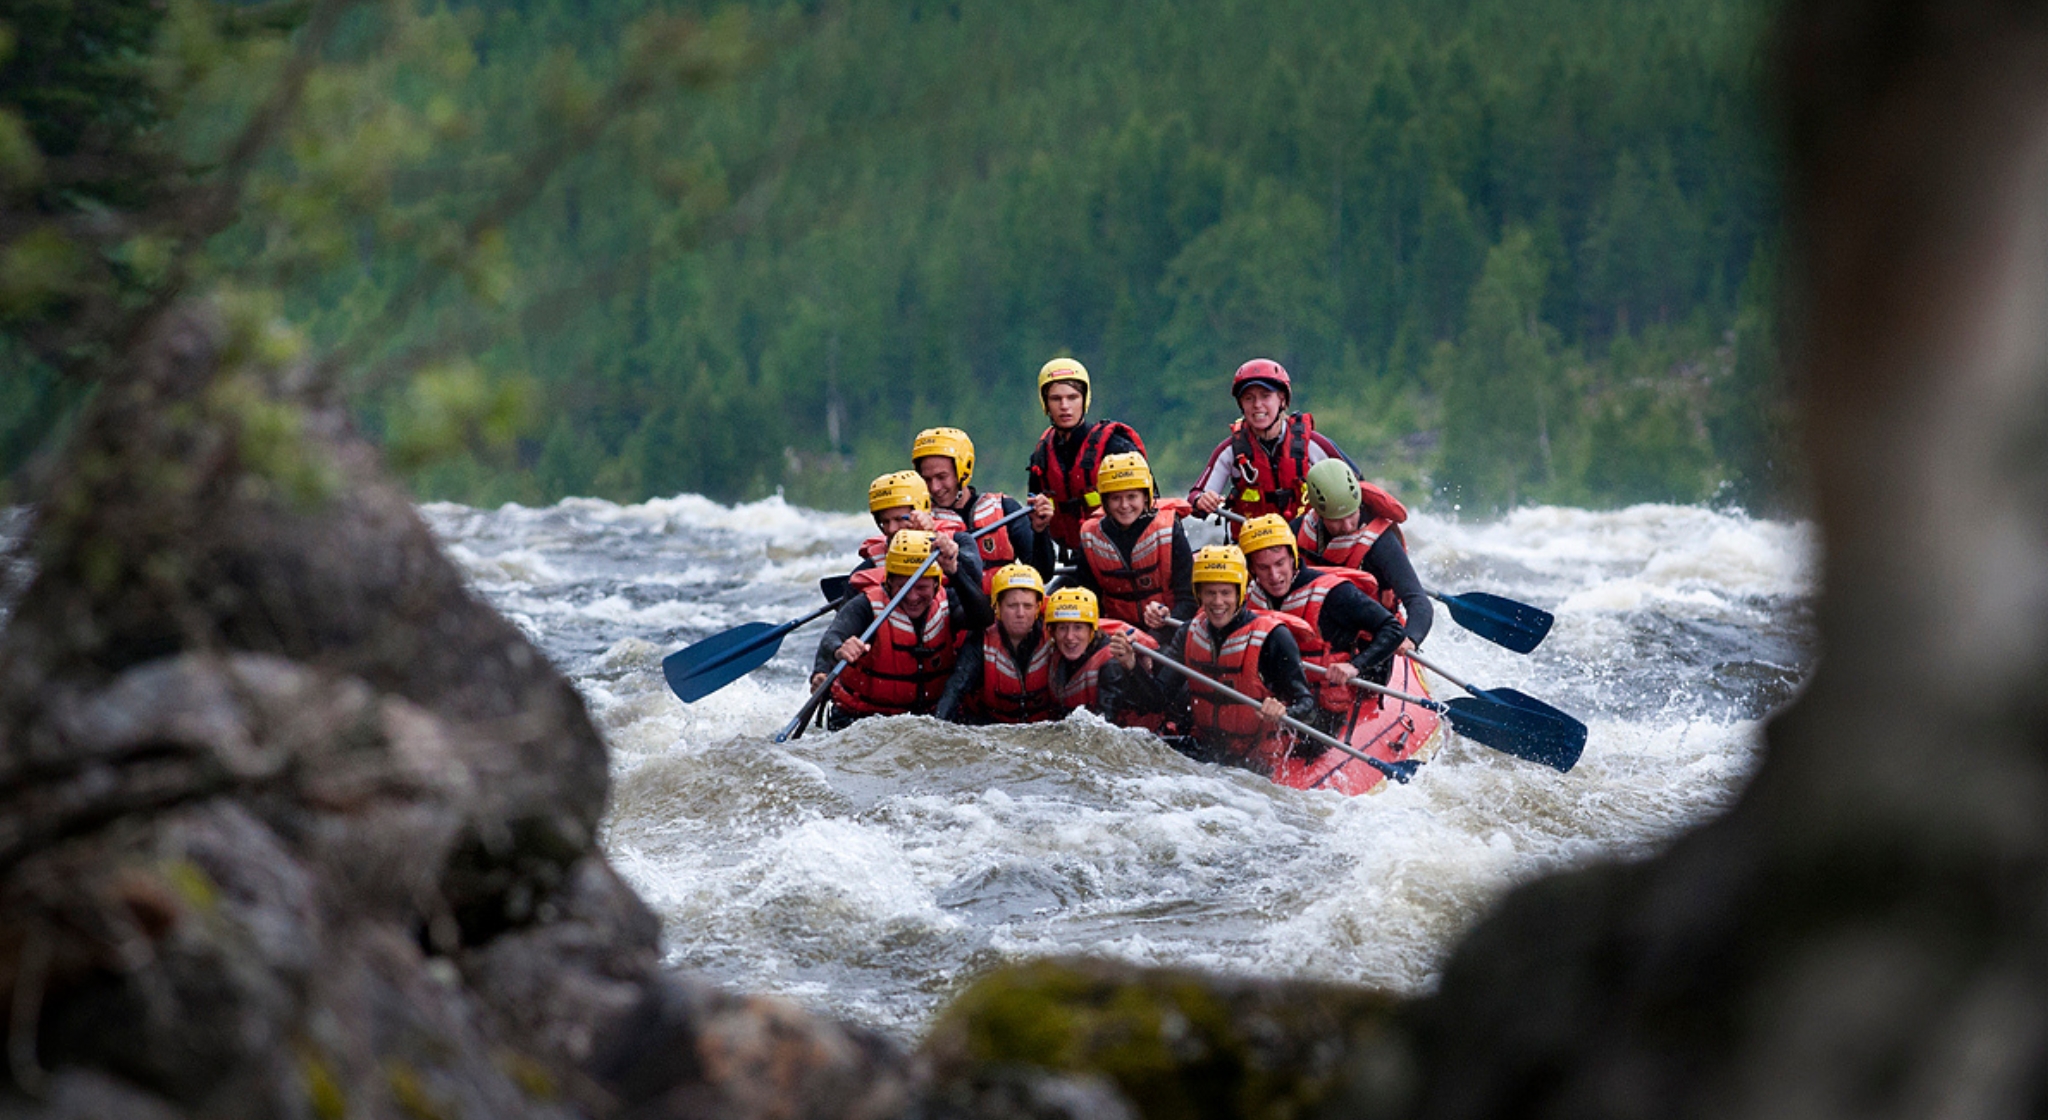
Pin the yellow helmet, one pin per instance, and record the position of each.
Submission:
(1221, 563)
(899, 488)
(1266, 531)
(1073, 604)
(950, 442)
(907, 550)
(1010, 577)
(1063, 369)
(1124, 471)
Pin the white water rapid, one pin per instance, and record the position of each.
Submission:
(873, 872)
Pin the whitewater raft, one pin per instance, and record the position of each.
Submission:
(1384, 728)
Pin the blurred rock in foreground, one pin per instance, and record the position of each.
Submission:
(293, 826)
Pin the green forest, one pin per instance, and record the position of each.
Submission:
(1512, 253)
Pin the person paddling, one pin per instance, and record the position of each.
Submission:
(1096, 666)
(1350, 633)
(1354, 524)
(914, 652)
(1261, 466)
(1006, 676)
(1063, 467)
(1135, 556)
(900, 500)
(1251, 651)
(944, 458)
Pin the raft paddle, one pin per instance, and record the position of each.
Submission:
(1500, 620)
(794, 729)
(702, 668)
(1399, 771)
(1506, 720)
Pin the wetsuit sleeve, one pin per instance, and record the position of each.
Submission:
(964, 597)
(1184, 604)
(1118, 444)
(1171, 687)
(1215, 473)
(1122, 693)
(1280, 669)
(965, 681)
(850, 622)
(1031, 548)
(1388, 563)
(970, 555)
(1350, 620)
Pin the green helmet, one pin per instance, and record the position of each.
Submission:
(1332, 489)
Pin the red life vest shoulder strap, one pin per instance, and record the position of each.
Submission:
(1381, 505)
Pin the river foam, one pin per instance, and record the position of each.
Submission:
(872, 872)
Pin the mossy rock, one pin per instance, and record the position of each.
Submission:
(1181, 1045)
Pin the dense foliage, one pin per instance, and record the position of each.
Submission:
(1511, 252)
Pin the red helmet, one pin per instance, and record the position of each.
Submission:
(1262, 371)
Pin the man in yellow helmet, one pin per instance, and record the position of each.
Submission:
(1096, 663)
(1349, 633)
(944, 458)
(1005, 676)
(914, 652)
(1251, 651)
(1062, 470)
(1135, 556)
(900, 500)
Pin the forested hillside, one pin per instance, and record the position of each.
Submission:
(1511, 252)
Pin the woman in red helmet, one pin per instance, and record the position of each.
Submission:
(1263, 465)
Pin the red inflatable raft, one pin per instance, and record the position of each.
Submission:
(1386, 729)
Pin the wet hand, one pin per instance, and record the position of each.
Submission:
(922, 521)
(1340, 673)
(1041, 512)
(817, 681)
(1270, 712)
(949, 552)
(1121, 649)
(1407, 646)
(1207, 503)
(1156, 615)
(850, 650)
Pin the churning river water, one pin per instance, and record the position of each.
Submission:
(872, 873)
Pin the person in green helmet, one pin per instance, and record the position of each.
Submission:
(1354, 524)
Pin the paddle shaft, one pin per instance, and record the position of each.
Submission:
(1383, 690)
(1232, 694)
(1441, 672)
(794, 729)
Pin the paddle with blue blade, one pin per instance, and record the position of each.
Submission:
(1500, 620)
(702, 668)
(1506, 720)
(794, 729)
(1399, 771)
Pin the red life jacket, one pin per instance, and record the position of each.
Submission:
(906, 665)
(874, 548)
(1011, 693)
(1259, 485)
(1306, 603)
(1232, 726)
(1077, 685)
(1382, 511)
(1072, 490)
(996, 549)
(1147, 577)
